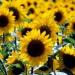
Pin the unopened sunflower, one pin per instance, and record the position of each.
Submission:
(6, 21)
(35, 48)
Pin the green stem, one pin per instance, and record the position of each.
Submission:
(26, 70)
(15, 39)
(3, 38)
(52, 61)
(5, 73)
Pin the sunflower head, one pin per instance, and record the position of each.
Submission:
(68, 57)
(71, 26)
(24, 28)
(15, 12)
(6, 20)
(32, 12)
(59, 15)
(35, 48)
(46, 24)
(16, 68)
(16, 9)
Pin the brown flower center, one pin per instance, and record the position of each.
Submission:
(35, 48)
(58, 16)
(73, 25)
(31, 11)
(25, 30)
(35, 3)
(28, 3)
(23, 5)
(15, 12)
(4, 21)
(69, 61)
(45, 28)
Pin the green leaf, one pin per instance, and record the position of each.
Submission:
(2, 68)
(70, 40)
(27, 20)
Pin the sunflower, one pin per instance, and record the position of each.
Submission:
(30, 8)
(71, 26)
(32, 12)
(25, 27)
(6, 21)
(59, 15)
(68, 57)
(45, 23)
(18, 12)
(17, 68)
(36, 47)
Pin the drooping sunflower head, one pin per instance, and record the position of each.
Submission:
(68, 57)
(6, 21)
(36, 47)
(45, 24)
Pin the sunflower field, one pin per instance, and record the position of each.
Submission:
(37, 37)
